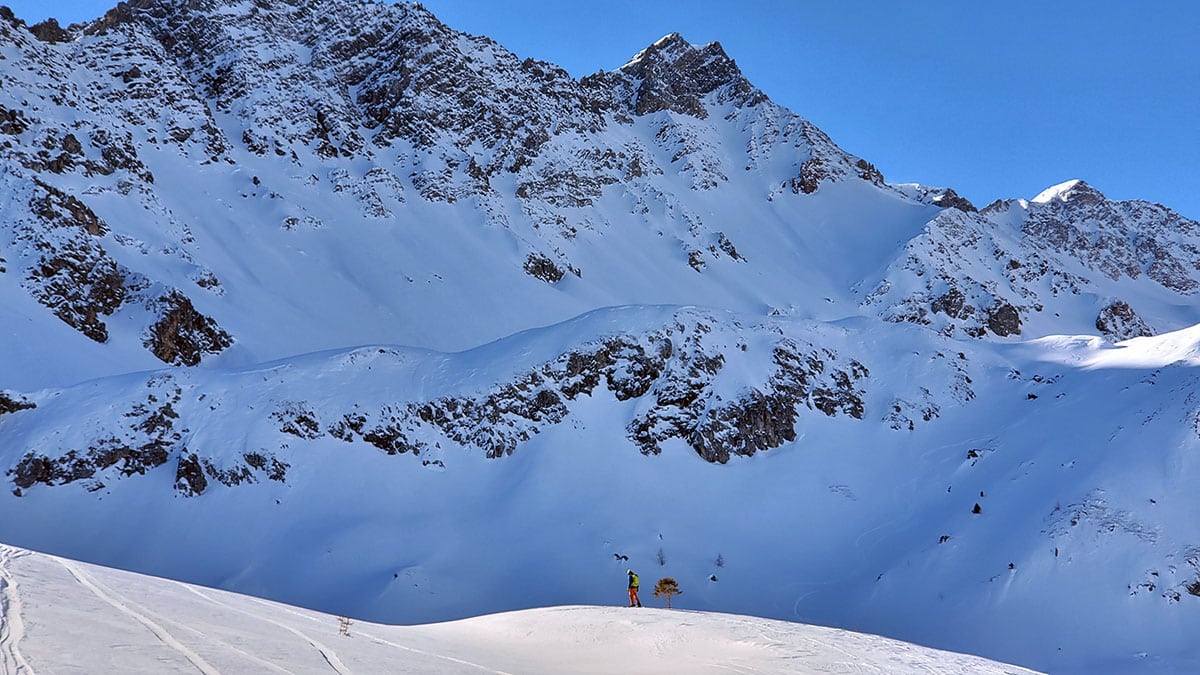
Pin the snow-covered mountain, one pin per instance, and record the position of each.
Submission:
(1070, 260)
(327, 302)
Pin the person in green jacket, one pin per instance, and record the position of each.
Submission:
(634, 582)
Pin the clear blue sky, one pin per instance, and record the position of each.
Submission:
(996, 99)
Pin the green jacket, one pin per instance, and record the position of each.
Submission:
(634, 581)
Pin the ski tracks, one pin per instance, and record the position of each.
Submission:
(439, 656)
(12, 623)
(325, 651)
(328, 654)
(161, 633)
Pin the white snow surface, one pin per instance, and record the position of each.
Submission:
(59, 616)
(1056, 192)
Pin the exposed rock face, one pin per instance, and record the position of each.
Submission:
(189, 476)
(675, 369)
(49, 31)
(543, 268)
(674, 75)
(10, 403)
(1004, 320)
(63, 244)
(950, 199)
(499, 422)
(1118, 321)
(385, 106)
(1118, 239)
(329, 86)
(951, 265)
(182, 335)
(826, 162)
(952, 303)
(74, 277)
(149, 434)
(144, 442)
(759, 420)
(812, 172)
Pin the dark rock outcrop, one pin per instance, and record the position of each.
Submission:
(950, 199)
(539, 266)
(1003, 319)
(71, 273)
(11, 403)
(672, 74)
(1118, 321)
(183, 335)
(50, 31)
(144, 443)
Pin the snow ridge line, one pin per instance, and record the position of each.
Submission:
(159, 632)
(12, 624)
(326, 652)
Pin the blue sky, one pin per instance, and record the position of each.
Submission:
(995, 99)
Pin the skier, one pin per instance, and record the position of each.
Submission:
(634, 582)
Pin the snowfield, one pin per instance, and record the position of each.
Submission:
(62, 616)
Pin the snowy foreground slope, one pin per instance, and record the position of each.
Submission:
(58, 615)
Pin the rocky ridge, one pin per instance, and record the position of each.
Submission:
(322, 86)
(61, 246)
(680, 377)
(987, 272)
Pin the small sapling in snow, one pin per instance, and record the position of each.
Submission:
(668, 587)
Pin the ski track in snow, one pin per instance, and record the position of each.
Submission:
(12, 625)
(243, 653)
(440, 656)
(161, 633)
(327, 653)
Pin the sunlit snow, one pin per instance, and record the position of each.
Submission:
(64, 616)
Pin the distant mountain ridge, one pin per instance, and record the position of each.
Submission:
(382, 104)
(326, 301)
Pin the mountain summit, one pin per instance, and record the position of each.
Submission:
(674, 75)
(326, 301)
(1067, 191)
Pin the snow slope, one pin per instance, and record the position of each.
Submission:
(1079, 454)
(59, 615)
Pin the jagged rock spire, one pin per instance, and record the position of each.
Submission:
(673, 74)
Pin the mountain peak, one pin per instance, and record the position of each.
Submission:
(1069, 191)
(674, 74)
(670, 46)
